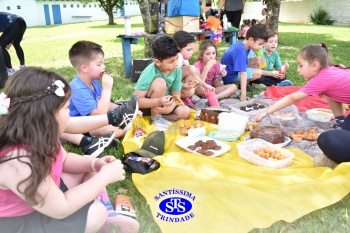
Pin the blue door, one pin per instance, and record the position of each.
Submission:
(56, 11)
(47, 14)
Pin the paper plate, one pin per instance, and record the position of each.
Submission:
(188, 141)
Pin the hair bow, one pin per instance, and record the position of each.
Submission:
(4, 104)
(59, 90)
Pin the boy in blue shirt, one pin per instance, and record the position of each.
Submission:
(236, 58)
(89, 98)
(159, 85)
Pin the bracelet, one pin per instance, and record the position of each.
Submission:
(92, 165)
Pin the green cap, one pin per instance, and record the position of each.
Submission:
(153, 145)
(259, 52)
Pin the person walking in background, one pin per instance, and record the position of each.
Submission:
(233, 10)
(13, 28)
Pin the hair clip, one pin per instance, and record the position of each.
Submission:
(59, 90)
(4, 104)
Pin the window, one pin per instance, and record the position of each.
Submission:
(8, 8)
(89, 5)
(64, 6)
(84, 5)
(77, 5)
(18, 7)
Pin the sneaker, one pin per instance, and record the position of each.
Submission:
(120, 223)
(22, 66)
(249, 88)
(195, 98)
(285, 83)
(338, 124)
(98, 144)
(323, 161)
(125, 114)
(188, 101)
(259, 85)
(10, 71)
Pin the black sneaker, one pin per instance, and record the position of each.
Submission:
(125, 114)
(338, 124)
(98, 144)
(249, 87)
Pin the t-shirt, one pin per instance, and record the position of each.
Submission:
(273, 61)
(12, 205)
(233, 5)
(213, 73)
(83, 99)
(6, 19)
(332, 81)
(181, 61)
(236, 59)
(173, 80)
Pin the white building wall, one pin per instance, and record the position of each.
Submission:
(295, 11)
(33, 11)
(252, 10)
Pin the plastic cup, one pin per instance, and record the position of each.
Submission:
(259, 53)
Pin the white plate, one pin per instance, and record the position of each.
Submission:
(188, 141)
(287, 140)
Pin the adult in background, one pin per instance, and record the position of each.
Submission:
(13, 28)
(233, 10)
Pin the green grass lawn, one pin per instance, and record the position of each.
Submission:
(47, 46)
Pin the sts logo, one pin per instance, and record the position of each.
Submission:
(176, 205)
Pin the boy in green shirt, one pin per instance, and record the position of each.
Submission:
(159, 85)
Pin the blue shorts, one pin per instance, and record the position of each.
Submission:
(237, 77)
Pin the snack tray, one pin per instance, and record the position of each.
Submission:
(320, 114)
(235, 107)
(246, 151)
(225, 136)
(187, 141)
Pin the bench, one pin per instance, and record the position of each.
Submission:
(81, 16)
(128, 40)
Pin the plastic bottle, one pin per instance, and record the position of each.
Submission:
(212, 99)
(225, 22)
(127, 25)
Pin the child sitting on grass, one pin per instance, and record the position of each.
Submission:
(186, 43)
(44, 188)
(211, 71)
(236, 59)
(89, 98)
(159, 84)
(274, 73)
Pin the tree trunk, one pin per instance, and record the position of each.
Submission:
(146, 18)
(110, 17)
(273, 13)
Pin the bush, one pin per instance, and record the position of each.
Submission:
(321, 16)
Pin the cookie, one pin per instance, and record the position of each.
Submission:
(178, 101)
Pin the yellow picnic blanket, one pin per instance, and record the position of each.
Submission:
(196, 193)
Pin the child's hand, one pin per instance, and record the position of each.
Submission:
(113, 171)
(166, 101)
(286, 65)
(210, 64)
(275, 74)
(107, 82)
(223, 72)
(102, 161)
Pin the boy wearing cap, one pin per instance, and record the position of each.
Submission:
(236, 58)
(159, 84)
